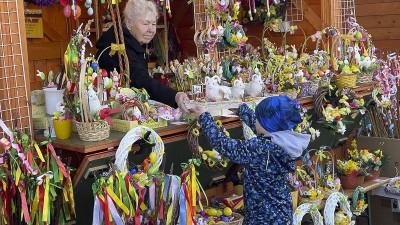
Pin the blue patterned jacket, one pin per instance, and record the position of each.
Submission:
(266, 194)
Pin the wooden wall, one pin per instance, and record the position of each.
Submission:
(45, 54)
(382, 20)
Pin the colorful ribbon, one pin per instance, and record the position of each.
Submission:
(116, 48)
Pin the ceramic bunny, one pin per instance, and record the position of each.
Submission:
(94, 101)
(216, 92)
(238, 89)
(255, 87)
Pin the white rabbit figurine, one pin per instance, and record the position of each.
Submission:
(216, 92)
(94, 101)
(237, 89)
(255, 87)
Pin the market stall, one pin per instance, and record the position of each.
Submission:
(139, 161)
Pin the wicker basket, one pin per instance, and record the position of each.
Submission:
(93, 131)
(364, 78)
(237, 222)
(89, 130)
(346, 80)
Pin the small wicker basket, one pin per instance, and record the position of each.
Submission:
(346, 80)
(236, 222)
(89, 130)
(364, 78)
(92, 131)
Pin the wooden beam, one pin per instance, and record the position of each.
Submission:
(310, 15)
(327, 13)
(181, 12)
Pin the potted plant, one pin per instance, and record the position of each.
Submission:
(371, 161)
(350, 173)
(62, 121)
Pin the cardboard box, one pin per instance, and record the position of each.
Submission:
(125, 125)
(40, 123)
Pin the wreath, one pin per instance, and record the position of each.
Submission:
(234, 36)
(209, 158)
(305, 208)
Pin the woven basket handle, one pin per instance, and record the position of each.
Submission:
(131, 137)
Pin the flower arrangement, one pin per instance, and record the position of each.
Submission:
(338, 107)
(305, 125)
(371, 161)
(349, 168)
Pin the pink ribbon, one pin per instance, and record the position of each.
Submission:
(59, 163)
(105, 114)
(17, 147)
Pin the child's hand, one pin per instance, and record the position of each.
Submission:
(197, 111)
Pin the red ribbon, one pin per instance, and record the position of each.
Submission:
(24, 203)
(105, 114)
(60, 164)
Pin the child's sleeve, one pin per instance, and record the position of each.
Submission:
(238, 151)
(248, 116)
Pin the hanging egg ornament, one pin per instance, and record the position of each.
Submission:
(107, 82)
(94, 66)
(63, 2)
(332, 32)
(89, 71)
(88, 5)
(358, 36)
(90, 11)
(67, 10)
(78, 11)
(88, 2)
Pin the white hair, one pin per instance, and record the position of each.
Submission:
(135, 9)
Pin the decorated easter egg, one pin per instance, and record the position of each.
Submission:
(67, 10)
(63, 2)
(107, 82)
(89, 2)
(153, 157)
(358, 36)
(227, 211)
(89, 71)
(90, 11)
(152, 170)
(94, 66)
(332, 32)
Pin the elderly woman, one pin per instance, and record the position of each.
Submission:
(139, 28)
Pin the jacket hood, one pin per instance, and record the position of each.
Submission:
(293, 143)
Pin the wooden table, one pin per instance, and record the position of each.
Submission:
(367, 187)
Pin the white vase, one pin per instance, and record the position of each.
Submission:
(52, 98)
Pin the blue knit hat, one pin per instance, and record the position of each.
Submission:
(278, 113)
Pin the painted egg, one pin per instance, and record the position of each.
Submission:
(89, 71)
(90, 11)
(89, 2)
(67, 10)
(63, 2)
(94, 66)
(88, 5)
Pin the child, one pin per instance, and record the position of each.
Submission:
(268, 158)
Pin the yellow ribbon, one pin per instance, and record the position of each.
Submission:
(46, 201)
(17, 176)
(193, 184)
(35, 204)
(39, 152)
(115, 198)
(116, 48)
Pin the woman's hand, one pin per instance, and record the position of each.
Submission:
(181, 98)
(197, 111)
